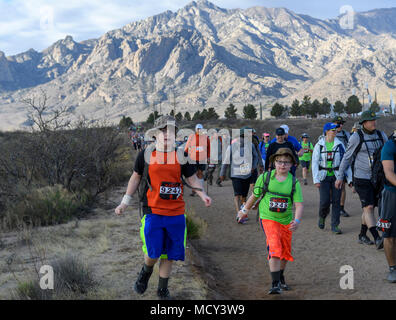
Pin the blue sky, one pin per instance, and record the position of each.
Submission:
(37, 24)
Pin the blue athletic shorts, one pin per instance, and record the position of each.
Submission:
(164, 236)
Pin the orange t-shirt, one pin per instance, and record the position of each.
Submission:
(164, 175)
(198, 147)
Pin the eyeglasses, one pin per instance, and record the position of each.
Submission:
(285, 163)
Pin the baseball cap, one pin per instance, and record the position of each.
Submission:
(266, 134)
(198, 126)
(305, 135)
(285, 127)
(329, 126)
(339, 119)
(368, 116)
(280, 131)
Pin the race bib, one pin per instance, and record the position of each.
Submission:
(330, 156)
(278, 204)
(199, 148)
(170, 190)
(245, 168)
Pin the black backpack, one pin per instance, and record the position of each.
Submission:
(144, 185)
(377, 153)
(378, 178)
(266, 188)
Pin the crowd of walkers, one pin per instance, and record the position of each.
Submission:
(266, 169)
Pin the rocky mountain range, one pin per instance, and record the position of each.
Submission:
(205, 56)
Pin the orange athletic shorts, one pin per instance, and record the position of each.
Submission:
(279, 239)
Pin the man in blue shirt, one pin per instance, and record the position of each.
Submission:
(387, 220)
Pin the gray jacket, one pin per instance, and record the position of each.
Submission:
(362, 167)
(243, 160)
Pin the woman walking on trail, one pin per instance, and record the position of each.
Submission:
(163, 229)
(326, 159)
(278, 190)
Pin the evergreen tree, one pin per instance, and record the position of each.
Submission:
(325, 106)
(179, 116)
(230, 112)
(196, 116)
(277, 110)
(339, 107)
(375, 106)
(212, 113)
(315, 108)
(250, 112)
(125, 122)
(306, 106)
(295, 108)
(187, 116)
(152, 117)
(353, 105)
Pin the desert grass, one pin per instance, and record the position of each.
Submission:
(107, 245)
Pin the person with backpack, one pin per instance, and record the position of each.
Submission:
(242, 157)
(276, 192)
(280, 142)
(305, 159)
(387, 215)
(362, 147)
(157, 176)
(326, 159)
(343, 136)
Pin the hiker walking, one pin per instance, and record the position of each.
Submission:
(242, 157)
(263, 146)
(198, 149)
(326, 159)
(305, 159)
(277, 190)
(359, 155)
(163, 227)
(343, 136)
(297, 146)
(387, 221)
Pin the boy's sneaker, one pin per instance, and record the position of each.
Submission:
(336, 230)
(142, 281)
(363, 239)
(392, 275)
(305, 182)
(276, 289)
(321, 223)
(163, 294)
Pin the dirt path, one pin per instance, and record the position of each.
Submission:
(235, 255)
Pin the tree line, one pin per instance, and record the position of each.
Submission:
(306, 107)
(314, 108)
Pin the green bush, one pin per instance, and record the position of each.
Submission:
(195, 225)
(47, 206)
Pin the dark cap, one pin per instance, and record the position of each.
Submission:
(339, 119)
(280, 132)
(368, 116)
